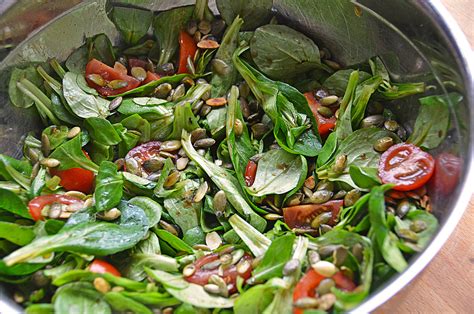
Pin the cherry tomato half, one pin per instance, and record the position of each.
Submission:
(100, 266)
(141, 154)
(76, 179)
(325, 125)
(150, 77)
(407, 166)
(134, 62)
(250, 173)
(307, 285)
(109, 74)
(187, 48)
(446, 174)
(36, 205)
(201, 276)
(300, 216)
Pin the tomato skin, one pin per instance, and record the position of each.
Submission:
(446, 174)
(109, 74)
(100, 266)
(187, 48)
(134, 62)
(325, 125)
(407, 166)
(250, 173)
(307, 285)
(36, 205)
(300, 216)
(76, 179)
(201, 276)
(150, 77)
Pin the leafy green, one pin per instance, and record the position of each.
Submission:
(364, 177)
(432, 123)
(147, 107)
(18, 234)
(12, 203)
(173, 241)
(120, 302)
(56, 135)
(283, 53)
(278, 172)
(96, 238)
(295, 128)
(255, 241)
(417, 216)
(80, 297)
(132, 23)
(184, 119)
(338, 81)
(151, 208)
(223, 179)
(40, 308)
(136, 266)
(254, 13)
(147, 89)
(80, 102)
(99, 47)
(108, 187)
(17, 97)
(167, 26)
(102, 131)
(275, 258)
(70, 155)
(136, 122)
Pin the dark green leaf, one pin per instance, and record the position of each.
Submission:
(108, 187)
(254, 13)
(18, 234)
(255, 300)
(275, 258)
(136, 122)
(56, 135)
(147, 107)
(337, 82)
(151, 208)
(364, 177)
(120, 302)
(99, 47)
(80, 297)
(77, 60)
(173, 241)
(40, 308)
(132, 23)
(102, 131)
(12, 203)
(153, 298)
(17, 97)
(147, 89)
(70, 155)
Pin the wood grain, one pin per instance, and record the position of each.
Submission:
(447, 283)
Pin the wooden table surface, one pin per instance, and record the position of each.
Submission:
(446, 285)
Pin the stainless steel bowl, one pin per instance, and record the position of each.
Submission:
(418, 39)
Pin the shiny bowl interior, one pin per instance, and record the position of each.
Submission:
(417, 40)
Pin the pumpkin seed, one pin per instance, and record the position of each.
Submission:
(163, 90)
(220, 67)
(211, 265)
(339, 195)
(65, 215)
(325, 268)
(220, 201)
(306, 303)
(196, 107)
(324, 228)
(339, 256)
(120, 67)
(325, 286)
(89, 202)
(313, 257)
(253, 118)
(208, 44)
(325, 112)
(391, 125)
(352, 197)
(170, 146)
(358, 251)
(326, 301)
(408, 235)
(117, 289)
(55, 210)
(307, 192)
(178, 92)
(167, 68)
(259, 130)
(372, 121)
(101, 285)
(110, 214)
(213, 240)
(191, 27)
(76, 194)
(273, 217)
(218, 26)
(189, 270)
(294, 200)
(244, 107)
(190, 66)
(201, 192)
(340, 164)
(403, 208)
(226, 259)
(139, 73)
(237, 255)
(216, 102)
(218, 281)
(238, 127)
(329, 100)
(291, 266)
(198, 134)
(167, 310)
(384, 143)
(310, 183)
(321, 196)
(35, 170)
(117, 84)
(169, 227)
(243, 266)
(50, 162)
(75, 206)
(182, 163)
(172, 179)
(133, 166)
(205, 110)
(188, 81)
(325, 185)
(153, 164)
(97, 79)
(73, 132)
(45, 145)
(155, 176)
(204, 27)
(32, 154)
(322, 218)
(212, 289)
(203, 247)
(418, 226)
(332, 64)
(204, 143)
(197, 36)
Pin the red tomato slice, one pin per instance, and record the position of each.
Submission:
(307, 285)
(407, 166)
(201, 276)
(187, 48)
(36, 205)
(446, 174)
(325, 125)
(109, 74)
(300, 216)
(76, 179)
(150, 77)
(100, 266)
(250, 173)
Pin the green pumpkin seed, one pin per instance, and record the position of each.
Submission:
(332, 64)
(196, 107)
(198, 134)
(375, 108)
(182, 163)
(211, 265)
(294, 200)
(327, 250)
(203, 247)
(226, 259)
(340, 164)
(325, 286)
(218, 281)
(306, 303)
(329, 100)
(213, 240)
(339, 195)
(154, 164)
(205, 110)
(204, 27)
(73, 132)
(220, 67)
(273, 217)
(402, 133)
(169, 227)
(139, 73)
(321, 196)
(237, 255)
(322, 218)
(35, 170)
(243, 266)
(259, 130)
(403, 208)
(352, 197)
(220, 201)
(133, 167)
(172, 179)
(325, 185)
(170, 146)
(238, 127)
(358, 251)
(76, 194)
(324, 228)
(155, 176)
(55, 210)
(117, 84)
(50, 162)
(32, 154)
(201, 192)
(179, 92)
(197, 36)
(188, 81)
(163, 90)
(326, 301)
(325, 268)
(391, 125)
(244, 89)
(325, 112)
(313, 257)
(45, 145)
(382, 144)
(339, 256)
(418, 226)
(97, 79)
(204, 143)
(291, 266)
(244, 107)
(372, 121)
(212, 289)
(408, 235)
(110, 214)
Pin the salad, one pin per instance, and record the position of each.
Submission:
(216, 164)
